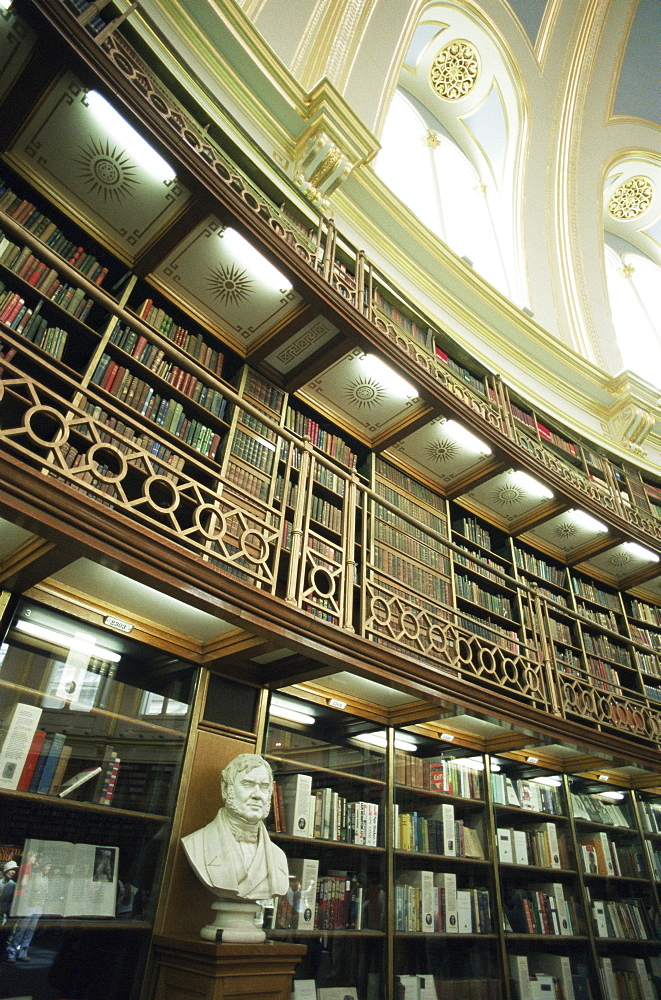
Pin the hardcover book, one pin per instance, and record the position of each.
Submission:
(80, 882)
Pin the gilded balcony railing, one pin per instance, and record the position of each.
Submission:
(345, 572)
(349, 272)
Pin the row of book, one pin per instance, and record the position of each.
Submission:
(651, 816)
(589, 591)
(602, 617)
(192, 343)
(525, 793)
(645, 636)
(467, 559)
(541, 910)
(430, 902)
(321, 510)
(531, 563)
(411, 541)
(331, 444)
(419, 333)
(561, 631)
(438, 774)
(250, 482)
(627, 977)
(599, 810)
(322, 813)
(493, 631)
(131, 389)
(646, 612)
(33, 326)
(474, 532)
(32, 760)
(165, 411)
(423, 987)
(545, 976)
(496, 603)
(537, 845)
(412, 575)
(619, 918)
(407, 484)
(21, 262)
(328, 902)
(262, 392)
(153, 357)
(440, 834)
(22, 210)
(603, 646)
(602, 856)
(605, 677)
(255, 451)
(113, 427)
(408, 506)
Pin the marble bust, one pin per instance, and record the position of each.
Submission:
(233, 855)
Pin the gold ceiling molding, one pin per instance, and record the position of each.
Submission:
(455, 70)
(633, 197)
(321, 169)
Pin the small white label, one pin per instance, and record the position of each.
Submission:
(603, 777)
(448, 737)
(118, 624)
(336, 703)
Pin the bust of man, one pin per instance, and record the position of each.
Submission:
(233, 855)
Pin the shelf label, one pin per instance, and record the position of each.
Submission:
(118, 624)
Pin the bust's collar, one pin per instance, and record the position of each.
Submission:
(242, 831)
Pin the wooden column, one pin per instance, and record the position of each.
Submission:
(192, 969)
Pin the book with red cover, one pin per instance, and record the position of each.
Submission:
(31, 760)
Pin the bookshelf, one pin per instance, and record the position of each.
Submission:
(94, 769)
(329, 817)
(489, 853)
(486, 603)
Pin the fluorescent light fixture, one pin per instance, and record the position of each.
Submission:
(615, 796)
(290, 714)
(81, 642)
(5, 4)
(465, 438)
(641, 552)
(530, 485)
(586, 521)
(119, 131)
(381, 740)
(394, 383)
(244, 255)
(552, 781)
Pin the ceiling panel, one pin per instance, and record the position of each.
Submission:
(97, 170)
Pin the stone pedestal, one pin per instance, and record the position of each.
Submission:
(193, 969)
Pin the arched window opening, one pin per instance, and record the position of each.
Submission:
(435, 179)
(634, 289)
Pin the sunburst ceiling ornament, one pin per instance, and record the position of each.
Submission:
(441, 451)
(620, 559)
(365, 392)
(565, 530)
(107, 171)
(508, 496)
(229, 284)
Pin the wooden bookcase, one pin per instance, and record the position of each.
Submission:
(86, 688)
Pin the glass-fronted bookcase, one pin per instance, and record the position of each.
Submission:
(485, 877)
(94, 726)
